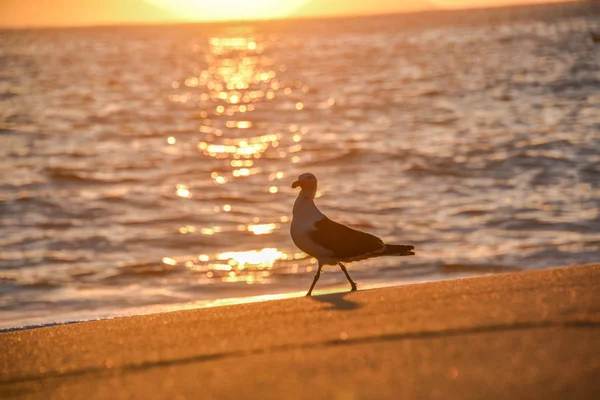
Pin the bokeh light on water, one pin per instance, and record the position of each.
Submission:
(152, 165)
(240, 84)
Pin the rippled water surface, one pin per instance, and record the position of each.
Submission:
(148, 166)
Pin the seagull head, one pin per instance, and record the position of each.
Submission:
(306, 181)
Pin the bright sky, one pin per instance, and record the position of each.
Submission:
(487, 3)
(20, 13)
(222, 10)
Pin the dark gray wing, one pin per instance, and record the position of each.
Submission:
(343, 241)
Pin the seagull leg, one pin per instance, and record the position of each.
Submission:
(316, 279)
(352, 283)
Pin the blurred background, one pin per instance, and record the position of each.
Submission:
(147, 167)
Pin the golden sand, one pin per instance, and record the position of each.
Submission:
(522, 335)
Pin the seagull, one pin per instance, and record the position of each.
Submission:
(330, 242)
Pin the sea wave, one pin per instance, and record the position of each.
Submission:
(165, 178)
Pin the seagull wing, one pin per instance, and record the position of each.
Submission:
(343, 241)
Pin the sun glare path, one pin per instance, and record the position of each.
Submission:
(239, 78)
(251, 266)
(239, 81)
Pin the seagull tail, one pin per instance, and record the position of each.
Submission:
(398, 250)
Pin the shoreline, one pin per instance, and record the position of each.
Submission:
(75, 317)
(527, 334)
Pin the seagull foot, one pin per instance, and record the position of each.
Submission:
(307, 295)
(354, 288)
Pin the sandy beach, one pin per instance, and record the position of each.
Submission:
(177, 172)
(522, 335)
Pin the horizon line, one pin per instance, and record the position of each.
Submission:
(174, 22)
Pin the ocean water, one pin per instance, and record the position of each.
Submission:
(149, 168)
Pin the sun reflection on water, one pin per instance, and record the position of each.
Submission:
(187, 229)
(240, 82)
(239, 79)
(262, 229)
(264, 258)
(252, 266)
(183, 191)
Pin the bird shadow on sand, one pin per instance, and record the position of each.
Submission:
(337, 301)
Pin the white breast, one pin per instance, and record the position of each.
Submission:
(305, 215)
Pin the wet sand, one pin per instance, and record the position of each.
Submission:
(523, 335)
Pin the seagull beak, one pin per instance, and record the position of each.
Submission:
(295, 184)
